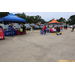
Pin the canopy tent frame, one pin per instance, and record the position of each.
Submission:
(11, 18)
(54, 22)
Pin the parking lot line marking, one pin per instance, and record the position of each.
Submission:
(66, 60)
(35, 32)
(14, 38)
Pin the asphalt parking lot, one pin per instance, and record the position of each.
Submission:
(34, 47)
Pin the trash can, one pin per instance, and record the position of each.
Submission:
(1, 33)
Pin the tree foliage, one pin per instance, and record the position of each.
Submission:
(31, 19)
(71, 20)
(62, 20)
(3, 14)
(35, 19)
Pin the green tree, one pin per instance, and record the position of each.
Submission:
(18, 14)
(62, 20)
(22, 15)
(38, 18)
(31, 19)
(71, 20)
(27, 19)
(43, 21)
(3, 14)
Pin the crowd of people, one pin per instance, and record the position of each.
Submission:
(49, 29)
(12, 28)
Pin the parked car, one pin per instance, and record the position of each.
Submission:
(36, 27)
(27, 27)
(32, 25)
(42, 24)
(70, 26)
(41, 27)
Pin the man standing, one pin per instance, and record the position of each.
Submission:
(57, 29)
(24, 28)
(11, 29)
(45, 28)
(66, 27)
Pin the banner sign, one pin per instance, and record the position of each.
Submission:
(1, 33)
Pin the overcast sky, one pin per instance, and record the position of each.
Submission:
(49, 15)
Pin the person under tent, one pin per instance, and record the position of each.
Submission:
(57, 29)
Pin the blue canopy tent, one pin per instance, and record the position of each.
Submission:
(11, 18)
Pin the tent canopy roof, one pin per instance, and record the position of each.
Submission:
(12, 18)
(54, 21)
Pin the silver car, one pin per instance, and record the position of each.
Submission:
(36, 27)
(70, 26)
(41, 26)
(28, 27)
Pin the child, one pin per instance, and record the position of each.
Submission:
(21, 30)
(40, 31)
